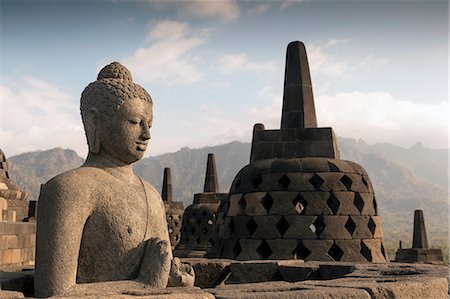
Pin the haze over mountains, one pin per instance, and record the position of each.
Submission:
(404, 179)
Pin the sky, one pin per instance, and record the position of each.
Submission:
(379, 69)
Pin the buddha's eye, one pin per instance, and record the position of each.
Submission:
(133, 121)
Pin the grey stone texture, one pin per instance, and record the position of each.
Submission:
(101, 222)
(420, 251)
(174, 209)
(16, 199)
(199, 219)
(296, 199)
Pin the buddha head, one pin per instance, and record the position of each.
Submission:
(117, 115)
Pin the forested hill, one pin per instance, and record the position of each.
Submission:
(404, 179)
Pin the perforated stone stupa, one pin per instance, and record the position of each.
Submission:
(420, 251)
(199, 218)
(174, 209)
(16, 199)
(297, 199)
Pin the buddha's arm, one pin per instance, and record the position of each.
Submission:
(63, 209)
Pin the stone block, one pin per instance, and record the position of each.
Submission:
(299, 227)
(335, 228)
(351, 250)
(209, 272)
(248, 250)
(253, 204)
(288, 135)
(270, 135)
(361, 229)
(266, 227)
(298, 272)
(341, 165)
(332, 271)
(254, 271)
(319, 250)
(282, 248)
(283, 203)
(11, 216)
(277, 150)
(235, 208)
(16, 256)
(346, 205)
(261, 151)
(299, 182)
(377, 224)
(240, 227)
(10, 294)
(7, 256)
(375, 248)
(331, 182)
(316, 203)
(12, 241)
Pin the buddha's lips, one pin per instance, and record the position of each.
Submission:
(141, 146)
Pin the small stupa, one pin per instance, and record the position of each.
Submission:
(199, 218)
(420, 251)
(297, 199)
(174, 209)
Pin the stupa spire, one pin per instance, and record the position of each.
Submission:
(420, 239)
(298, 100)
(167, 186)
(211, 183)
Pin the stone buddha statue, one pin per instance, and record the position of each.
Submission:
(101, 222)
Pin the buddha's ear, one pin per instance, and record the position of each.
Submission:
(92, 130)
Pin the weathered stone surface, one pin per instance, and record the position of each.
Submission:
(10, 294)
(101, 222)
(332, 271)
(268, 290)
(254, 271)
(210, 272)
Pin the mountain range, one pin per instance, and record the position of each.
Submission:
(404, 179)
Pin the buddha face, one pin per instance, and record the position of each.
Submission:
(125, 135)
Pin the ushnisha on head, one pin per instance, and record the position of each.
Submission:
(102, 102)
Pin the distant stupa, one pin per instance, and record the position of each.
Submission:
(420, 251)
(199, 219)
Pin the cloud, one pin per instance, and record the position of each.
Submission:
(336, 41)
(37, 115)
(372, 116)
(258, 9)
(170, 58)
(269, 112)
(226, 11)
(323, 60)
(379, 117)
(286, 4)
(231, 63)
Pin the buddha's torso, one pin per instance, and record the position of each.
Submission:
(122, 218)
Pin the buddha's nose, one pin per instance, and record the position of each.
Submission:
(145, 133)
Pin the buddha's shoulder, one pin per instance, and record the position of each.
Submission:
(81, 177)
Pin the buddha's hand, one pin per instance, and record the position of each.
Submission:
(156, 265)
(181, 275)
